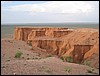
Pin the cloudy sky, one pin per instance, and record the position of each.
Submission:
(49, 11)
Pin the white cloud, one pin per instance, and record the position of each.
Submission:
(55, 7)
(3, 2)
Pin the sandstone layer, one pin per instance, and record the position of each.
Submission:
(21, 33)
(79, 44)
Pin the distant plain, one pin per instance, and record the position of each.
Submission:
(7, 29)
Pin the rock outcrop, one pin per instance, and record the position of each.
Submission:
(35, 33)
(52, 45)
(60, 33)
(79, 44)
(21, 33)
(79, 52)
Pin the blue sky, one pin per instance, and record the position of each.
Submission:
(49, 11)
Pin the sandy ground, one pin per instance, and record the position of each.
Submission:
(36, 62)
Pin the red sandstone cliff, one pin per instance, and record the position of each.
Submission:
(35, 33)
(21, 33)
(79, 44)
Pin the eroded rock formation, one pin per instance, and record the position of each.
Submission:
(79, 52)
(35, 33)
(60, 33)
(79, 44)
(51, 45)
(21, 33)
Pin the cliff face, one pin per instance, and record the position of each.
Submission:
(82, 37)
(79, 44)
(79, 52)
(35, 33)
(51, 45)
(18, 34)
(21, 33)
(61, 33)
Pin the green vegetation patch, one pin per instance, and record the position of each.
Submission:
(86, 63)
(49, 56)
(62, 58)
(90, 70)
(18, 54)
(68, 59)
(68, 69)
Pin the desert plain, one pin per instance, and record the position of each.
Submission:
(51, 51)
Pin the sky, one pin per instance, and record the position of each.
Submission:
(13, 12)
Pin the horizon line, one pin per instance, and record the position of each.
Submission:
(47, 23)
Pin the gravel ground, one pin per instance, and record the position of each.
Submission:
(36, 62)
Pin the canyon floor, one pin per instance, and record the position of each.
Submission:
(36, 61)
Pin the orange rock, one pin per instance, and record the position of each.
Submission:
(21, 33)
(79, 52)
(79, 43)
(52, 45)
(94, 50)
(36, 33)
(60, 33)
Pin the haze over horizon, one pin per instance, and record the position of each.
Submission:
(16, 12)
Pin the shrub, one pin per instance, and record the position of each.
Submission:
(69, 59)
(68, 69)
(23, 57)
(62, 58)
(89, 70)
(8, 59)
(86, 63)
(49, 56)
(3, 66)
(36, 58)
(28, 58)
(18, 54)
(48, 71)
